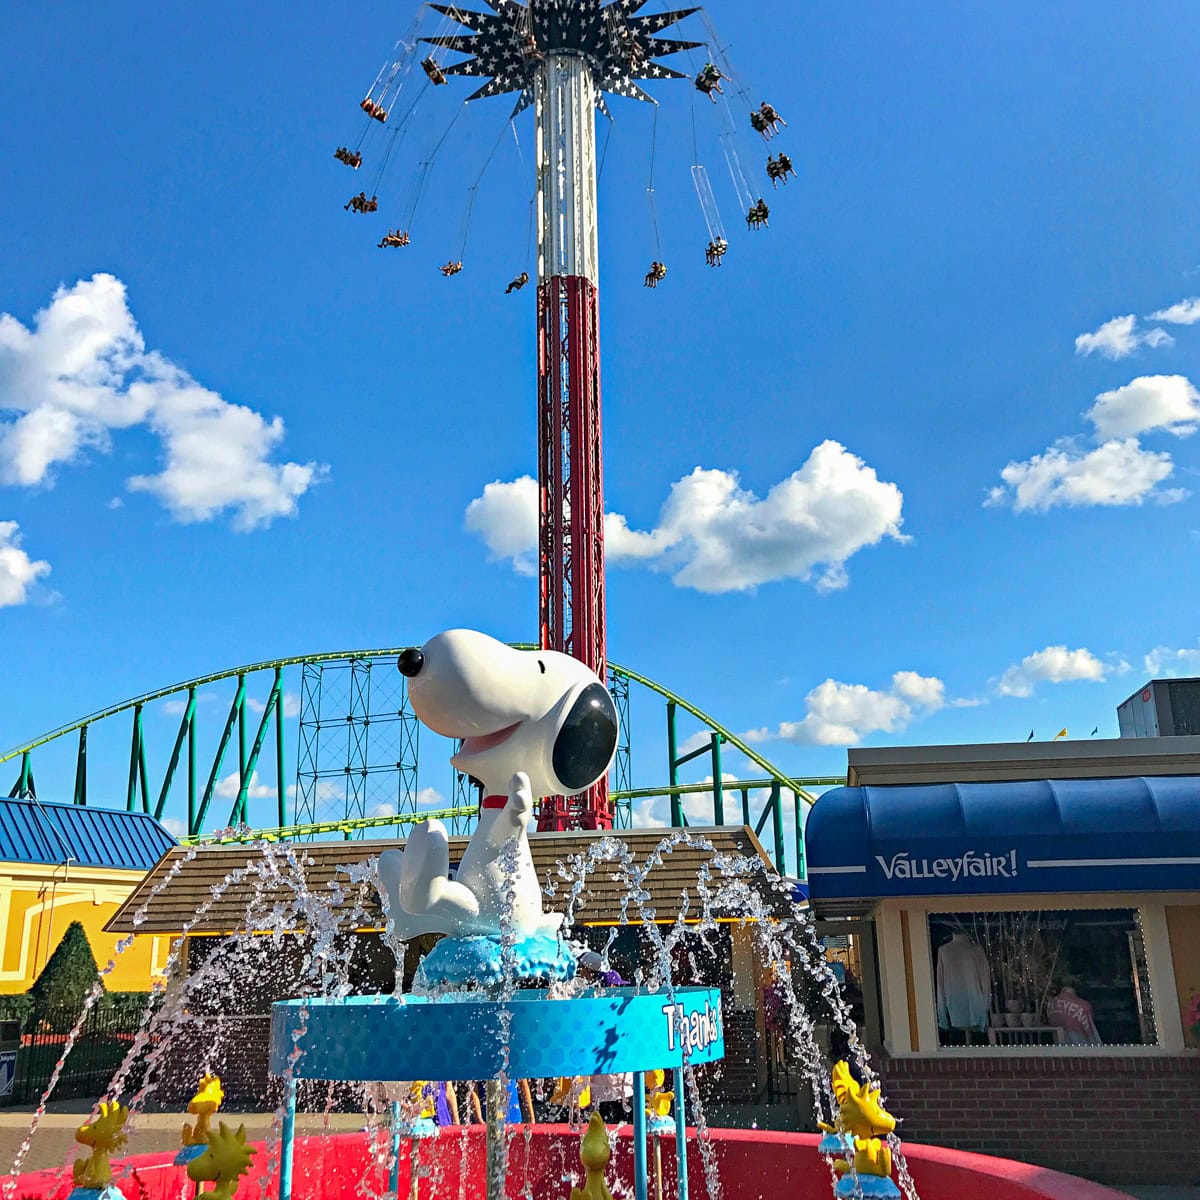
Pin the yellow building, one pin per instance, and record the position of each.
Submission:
(61, 863)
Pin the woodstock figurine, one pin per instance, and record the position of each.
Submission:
(658, 1103)
(594, 1153)
(861, 1123)
(533, 723)
(105, 1134)
(414, 1115)
(223, 1162)
(194, 1138)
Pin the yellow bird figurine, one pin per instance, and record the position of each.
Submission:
(226, 1159)
(104, 1135)
(208, 1098)
(594, 1153)
(861, 1115)
(658, 1100)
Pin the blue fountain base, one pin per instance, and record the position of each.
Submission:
(836, 1143)
(660, 1125)
(108, 1192)
(469, 1035)
(422, 1127)
(457, 962)
(877, 1187)
(188, 1153)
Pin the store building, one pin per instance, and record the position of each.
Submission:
(61, 863)
(1034, 917)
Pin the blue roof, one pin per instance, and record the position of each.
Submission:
(33, 831)
(1051, 835)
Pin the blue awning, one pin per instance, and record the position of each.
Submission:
(1060, 835)
(33, 831)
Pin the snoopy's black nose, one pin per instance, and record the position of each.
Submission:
(410, 662)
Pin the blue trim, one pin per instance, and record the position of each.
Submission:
(466, 1036)
(36, 831)
(1056, 836)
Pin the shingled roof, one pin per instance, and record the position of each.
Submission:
(172, 908)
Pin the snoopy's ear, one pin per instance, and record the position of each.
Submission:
(586, 740)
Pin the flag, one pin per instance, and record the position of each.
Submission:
(1061, 733)
(1030, 737)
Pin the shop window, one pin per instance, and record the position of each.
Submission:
(1057, 977)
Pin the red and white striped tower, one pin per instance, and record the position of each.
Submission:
(561, 56)
(570, 461)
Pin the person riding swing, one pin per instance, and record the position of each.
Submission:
(517, 284)
(436, 74)
(351, 159)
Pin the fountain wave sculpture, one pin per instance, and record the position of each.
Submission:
(532, 724)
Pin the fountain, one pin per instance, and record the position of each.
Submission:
(532, 724)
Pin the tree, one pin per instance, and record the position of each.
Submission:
(67, 978)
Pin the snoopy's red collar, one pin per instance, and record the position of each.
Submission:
(493, 802)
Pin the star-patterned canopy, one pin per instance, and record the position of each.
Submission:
(505, 46)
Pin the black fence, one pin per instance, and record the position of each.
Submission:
(98, 1051)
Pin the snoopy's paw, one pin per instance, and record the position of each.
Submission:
(520, 795)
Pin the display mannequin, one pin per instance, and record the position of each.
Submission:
(964, 984)
(1073, 1015)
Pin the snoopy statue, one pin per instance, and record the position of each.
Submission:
(533, 723)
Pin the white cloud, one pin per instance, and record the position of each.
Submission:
(82, 371)
(842, 714)
(1186, 312)
(174, 826)
(18, 572)
(1120, 337)
(1119, 472)
(1168, 402)
(1163, 662)
(651, 813)
(715, 536)
(291, 705)
(506, 517)
(1054, 664)
(227, 788)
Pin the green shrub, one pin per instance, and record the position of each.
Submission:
(59, 991)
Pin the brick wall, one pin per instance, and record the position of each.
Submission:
(1113, 1120)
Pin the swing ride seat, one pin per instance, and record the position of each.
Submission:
(435, 73)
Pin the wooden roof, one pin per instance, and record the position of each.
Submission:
(323, 863)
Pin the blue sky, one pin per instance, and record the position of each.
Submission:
(981, 524)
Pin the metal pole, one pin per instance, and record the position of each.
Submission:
(718, 782)
(673, 766)
(81, 767)
(639, 1135)
(497, 1107)
(280, 782)
(777, 828)
(681, 1173)
(289, 1137)
(801, 864)
(192, 756)
(394, 1176)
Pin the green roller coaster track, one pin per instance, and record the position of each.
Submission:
(237, 729)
